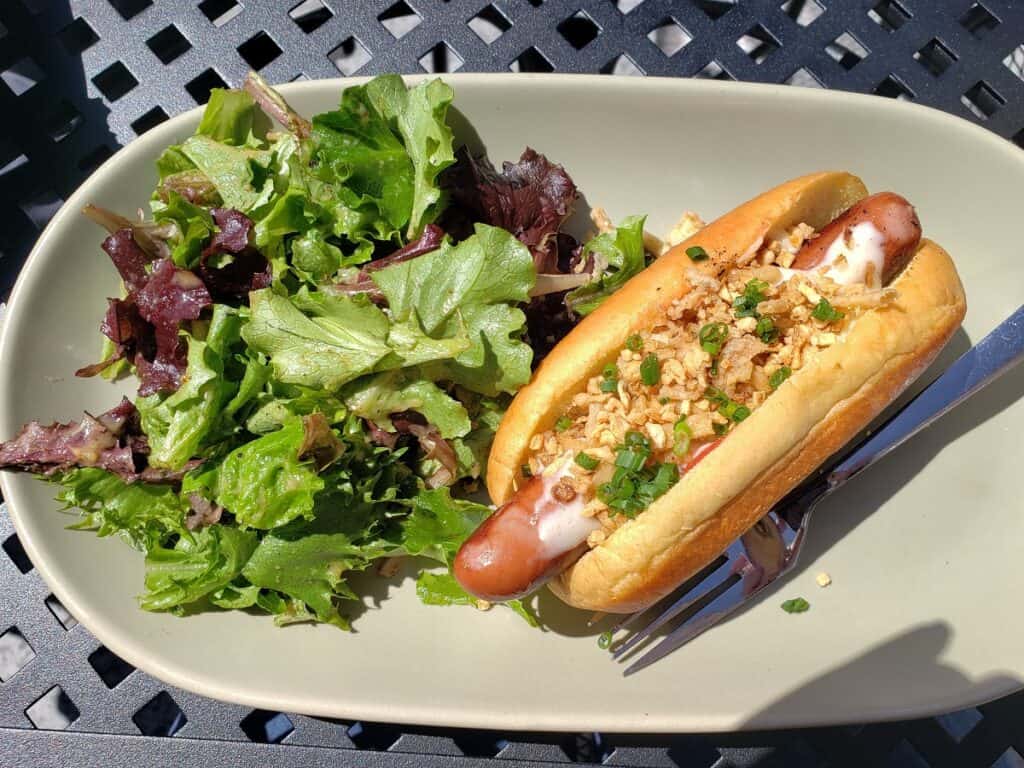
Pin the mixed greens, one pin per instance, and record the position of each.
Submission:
(327, 320)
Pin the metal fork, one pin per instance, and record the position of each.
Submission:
(771, 547)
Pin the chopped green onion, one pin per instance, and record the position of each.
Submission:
(779, 376)
(634, 342)
(663, 400)
(726, 407)
(720, 429)
(631, 460)
(610, 373)
(636, 439)
(753, 294)
(587, 461)
(714, 367)
(665, 477)
(650, 370)
(766, 330)
(730, 409)
(716, 396)
(525, 469)
(635, 485)
(696, 253)
(826, 312)
(796, 605)
(604, 640)
(712, 336)
(563, 423)
(682, 434)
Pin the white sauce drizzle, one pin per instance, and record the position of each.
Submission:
(563, 527)
(860, 247)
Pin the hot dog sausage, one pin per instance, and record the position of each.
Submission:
(882, 229)
(536, 535)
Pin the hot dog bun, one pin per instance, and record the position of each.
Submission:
(812, 415)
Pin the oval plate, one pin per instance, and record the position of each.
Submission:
(922, 550)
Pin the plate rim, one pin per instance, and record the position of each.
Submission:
(133, 650)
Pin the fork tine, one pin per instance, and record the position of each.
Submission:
(673, 599)
(717, 602)
(681, 600)
(756, 560)
(745, 582)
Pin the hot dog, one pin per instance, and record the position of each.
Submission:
(814, 307)
(885, 215)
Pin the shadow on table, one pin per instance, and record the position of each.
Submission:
(58, 132)
(865, 494)
(902, 663)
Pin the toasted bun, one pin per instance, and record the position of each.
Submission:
(811, 415)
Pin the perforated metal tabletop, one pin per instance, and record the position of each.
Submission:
(79, 79)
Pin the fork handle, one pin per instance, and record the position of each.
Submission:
(986, 361)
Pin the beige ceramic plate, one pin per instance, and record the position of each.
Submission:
(923, 613)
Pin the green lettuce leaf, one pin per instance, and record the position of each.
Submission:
(193, 227)
(141, 513)
(419, 114)
(229, 117)
(180, 424)
(294, 232)
(118, 368)
(364, 166)
(275, 406)
(236, 596)
(247, 177)
(241, 175)
(311, 568)
(443, 589)
(475, 285)
(438, 524)
(195, 566)
(306, 561)
(268, 481)
(377, 397)
(173, 161)
(285, 610)
(436, 527)
(255, 375)
(619, 255)
(356, 522)
(315, 259)
(378, 156)
(473, 449)
(345, 338)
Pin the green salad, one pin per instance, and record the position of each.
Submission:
(326, 320)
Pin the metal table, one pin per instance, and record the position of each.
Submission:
(80, 79)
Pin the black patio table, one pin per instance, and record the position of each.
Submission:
(73, 89)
